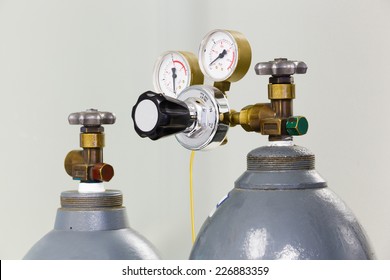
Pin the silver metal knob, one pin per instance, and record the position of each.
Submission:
(280, 67)
(91, 117)
(207, 105)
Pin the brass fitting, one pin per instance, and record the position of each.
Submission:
(72, 159)
(281, 91)
(87, 165)
(250, 117)
(91, 140)
(271, 126)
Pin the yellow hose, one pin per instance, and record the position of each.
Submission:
(192, 199)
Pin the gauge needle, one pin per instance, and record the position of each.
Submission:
(174, 76)
(221, 55)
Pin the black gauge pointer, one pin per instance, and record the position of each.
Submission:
(174, 76)
(221, 55)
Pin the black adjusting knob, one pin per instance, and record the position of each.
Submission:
(156, 115)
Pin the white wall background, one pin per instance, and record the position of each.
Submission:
(58, 57)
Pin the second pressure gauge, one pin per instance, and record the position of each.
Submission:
(174, 71)
(225, 55)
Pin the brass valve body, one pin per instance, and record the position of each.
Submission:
(267, 118)
(250, 117)
(87, 164)
(275, 118)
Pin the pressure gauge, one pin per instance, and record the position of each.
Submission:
(174, 71)
(206, 104)
(225, 55)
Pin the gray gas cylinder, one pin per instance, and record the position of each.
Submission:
(92, 226)
(281, 208)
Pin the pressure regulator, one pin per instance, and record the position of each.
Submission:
(200, 115)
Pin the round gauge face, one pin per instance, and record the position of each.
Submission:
(218, 55)
(172, 74)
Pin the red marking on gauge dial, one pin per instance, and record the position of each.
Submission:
(182, 65)
(230, 66)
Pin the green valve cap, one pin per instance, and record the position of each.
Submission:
(297, 125)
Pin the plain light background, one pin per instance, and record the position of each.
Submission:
(58, 57)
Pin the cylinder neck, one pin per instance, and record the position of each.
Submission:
(282, 157)
(95, 200)
(91, 212)
(280, 166)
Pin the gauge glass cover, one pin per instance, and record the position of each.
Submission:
(218, 55)
(172, 73)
